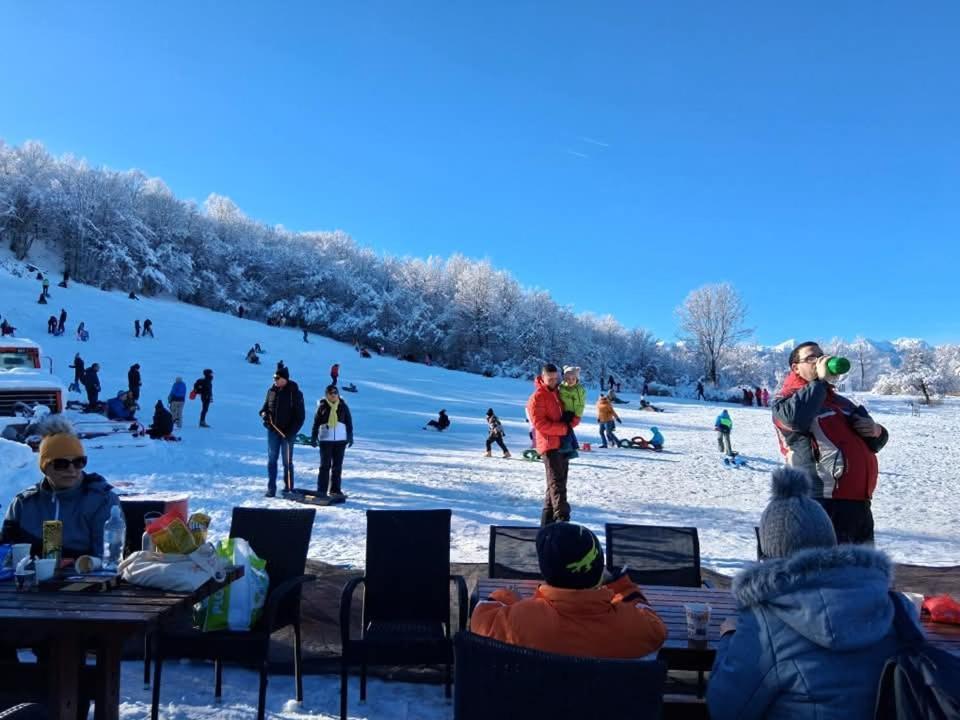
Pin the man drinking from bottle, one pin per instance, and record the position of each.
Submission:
(832, 438)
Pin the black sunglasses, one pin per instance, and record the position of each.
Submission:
(63, 463)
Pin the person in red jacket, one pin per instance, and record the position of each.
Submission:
(550, 425)
(572, 613)
(833, 439)
(334, 373)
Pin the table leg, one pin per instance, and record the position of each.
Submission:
(63, 684)
(107, 697)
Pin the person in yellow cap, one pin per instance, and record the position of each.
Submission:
(80, 500)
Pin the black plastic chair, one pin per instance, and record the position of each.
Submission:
(513, 553)
(281, 537)
(497, 680)
(25, 711)
(406, 597)
(655, 555)
(133, 512)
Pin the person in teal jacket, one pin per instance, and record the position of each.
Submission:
(724, 426)
(814, 625)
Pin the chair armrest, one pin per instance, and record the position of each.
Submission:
(462, 601)
(279, 594)
(346, 604)
(706, 583)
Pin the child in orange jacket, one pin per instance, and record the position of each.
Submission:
(572, 613)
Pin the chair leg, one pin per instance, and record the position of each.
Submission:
(344, 679)
(363, 678)
(218, 681)
(448, 681)
(262, 700)
(155, 696)
(147, 655)
(298, 660)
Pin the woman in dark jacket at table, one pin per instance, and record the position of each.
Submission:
(81, 501)
(815, 621)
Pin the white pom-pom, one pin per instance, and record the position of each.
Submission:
(53, 425)
(789, 482)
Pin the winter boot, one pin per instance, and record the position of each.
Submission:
(203, 424)
(487, 454)
(546, 517)
(506, 454)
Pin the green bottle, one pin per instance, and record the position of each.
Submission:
(838, 365)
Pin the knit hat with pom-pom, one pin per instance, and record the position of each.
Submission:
(793, 520)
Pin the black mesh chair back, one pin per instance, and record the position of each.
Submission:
(655, 555)
(496, 680)
(513, 553)
(760, 555)
(282, 538)
(408, 566)
(133, 512)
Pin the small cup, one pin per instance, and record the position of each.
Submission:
(88, 563)
(20, 551)
(46, 567)
(698, 618)
(24, 580)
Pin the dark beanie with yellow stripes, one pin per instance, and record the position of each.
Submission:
(570, 556)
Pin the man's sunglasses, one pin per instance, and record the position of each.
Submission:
(810, 359)
(63, 463)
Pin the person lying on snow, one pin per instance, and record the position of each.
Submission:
(572, 613)
(441, 423)
(121, 407)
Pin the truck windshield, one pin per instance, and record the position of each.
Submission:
(10, 360)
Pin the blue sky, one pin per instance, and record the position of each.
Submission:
(616, 154)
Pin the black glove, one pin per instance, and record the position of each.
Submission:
(568, 416)
(350, 441)
(313, 440)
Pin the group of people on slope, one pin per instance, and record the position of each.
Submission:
(816, 618)
(283, 414)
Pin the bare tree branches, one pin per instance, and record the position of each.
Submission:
(711, 320)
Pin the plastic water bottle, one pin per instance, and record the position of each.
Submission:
(114, 535)
(838, 365)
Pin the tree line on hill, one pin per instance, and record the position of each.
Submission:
(125, 230)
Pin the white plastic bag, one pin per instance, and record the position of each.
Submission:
(237, 606)
(168, 571)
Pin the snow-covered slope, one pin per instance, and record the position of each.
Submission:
(396, 464)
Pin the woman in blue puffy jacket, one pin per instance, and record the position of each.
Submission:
(815, 620)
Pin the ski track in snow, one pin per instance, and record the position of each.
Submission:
(397, 465)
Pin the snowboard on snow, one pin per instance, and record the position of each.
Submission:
(312, 498)
(735, 461)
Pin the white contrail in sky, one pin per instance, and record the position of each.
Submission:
(592, 141)
(578, 154)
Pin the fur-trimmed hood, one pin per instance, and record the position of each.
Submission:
(836, 597)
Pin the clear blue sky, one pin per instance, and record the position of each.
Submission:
(616, 154)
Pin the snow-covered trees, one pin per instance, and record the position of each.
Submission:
(711, 321)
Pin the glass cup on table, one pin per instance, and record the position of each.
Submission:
(698, 620)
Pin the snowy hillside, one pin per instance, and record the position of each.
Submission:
(396, 464)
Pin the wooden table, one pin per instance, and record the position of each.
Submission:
(682, 654)
(70, 623)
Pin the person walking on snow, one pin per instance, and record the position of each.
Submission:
(133, 381)
(283, 415)
(305, 338)
(724, 426)
(441, 423)
(204, 388)
(46, 287)
(495, 434)
(176, 398)
(766, 398)
(700, 395)
(82, 334)
(136, 328)
(78, 367)
(61, 323)
(546, 413)
(573, 397)
(91, 383)
(608, 419)
(334, 374)
(333, 432)
(831, 438)
(148, 327)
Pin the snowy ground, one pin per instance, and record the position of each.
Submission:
(396, 464)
